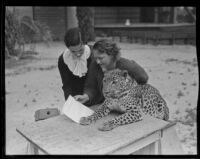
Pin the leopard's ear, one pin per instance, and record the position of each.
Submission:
(125, 73)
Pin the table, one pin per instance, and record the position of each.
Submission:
(60, 135)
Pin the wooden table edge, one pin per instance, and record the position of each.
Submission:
(33, 143)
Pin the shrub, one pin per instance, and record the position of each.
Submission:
(85, 16)
(18, 32)
(34, 31)
(11, 32)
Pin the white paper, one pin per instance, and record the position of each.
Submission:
(75, 110)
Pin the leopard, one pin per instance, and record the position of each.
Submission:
(132, 100)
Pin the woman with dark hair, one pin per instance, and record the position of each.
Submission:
(107, 57)
(73, 63)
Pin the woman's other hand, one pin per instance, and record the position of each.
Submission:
(82, 98)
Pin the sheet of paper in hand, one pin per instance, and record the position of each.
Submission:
(75, 110)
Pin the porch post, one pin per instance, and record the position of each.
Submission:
(155, 14)
(33, 12)
(172, 15)
(175, 15)
(71, 17)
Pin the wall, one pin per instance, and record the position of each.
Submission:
(112, 15)
(54, 17)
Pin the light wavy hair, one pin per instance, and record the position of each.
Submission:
(109, 47)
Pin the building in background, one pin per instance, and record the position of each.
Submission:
(118, 15)
(61, 18)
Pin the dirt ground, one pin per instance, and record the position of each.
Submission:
(34, 83)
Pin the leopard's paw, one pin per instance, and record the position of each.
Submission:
(107, 126)
(85, 121)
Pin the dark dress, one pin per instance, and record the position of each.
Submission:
(72, 85)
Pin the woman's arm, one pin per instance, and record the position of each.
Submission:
(65, 77)
(134, 69)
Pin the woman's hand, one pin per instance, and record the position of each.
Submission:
(82, 98)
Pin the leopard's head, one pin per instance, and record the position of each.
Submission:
(115, 82)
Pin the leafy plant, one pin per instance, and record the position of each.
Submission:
(19, 32)
(85, 16)
(11, 32)
(34, 31)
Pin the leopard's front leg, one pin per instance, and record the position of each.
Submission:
(99, 113)
(126, 118)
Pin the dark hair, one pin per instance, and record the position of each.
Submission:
(109, 47)
(72, 37)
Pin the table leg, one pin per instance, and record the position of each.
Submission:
(31, 149)
(157, 147)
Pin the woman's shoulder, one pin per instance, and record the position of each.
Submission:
(123, 60)
(87, 51)
(60, 57)
(87, 48)
(61, 63)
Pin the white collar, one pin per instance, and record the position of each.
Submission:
(77, 66)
